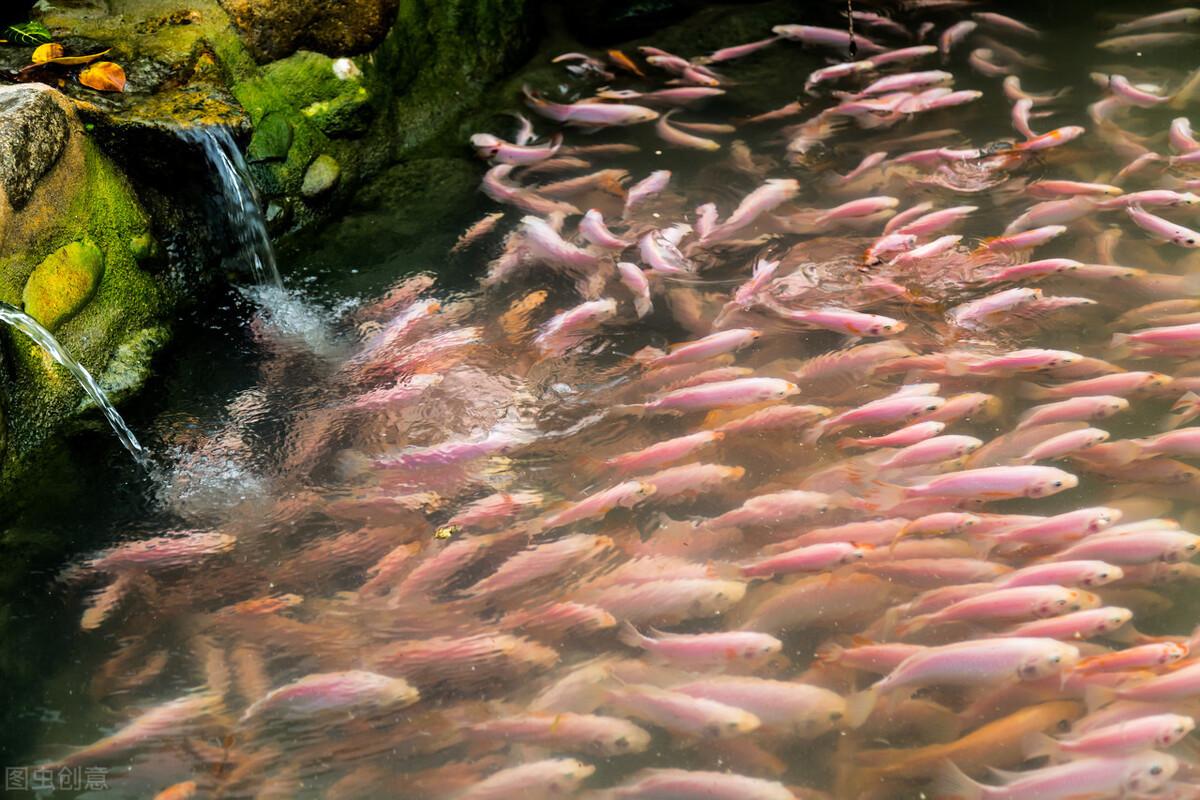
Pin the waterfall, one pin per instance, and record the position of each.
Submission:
(45, 340)
(240, 200)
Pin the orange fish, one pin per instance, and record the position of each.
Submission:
(625, 62)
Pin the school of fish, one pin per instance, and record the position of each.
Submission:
(872, 476)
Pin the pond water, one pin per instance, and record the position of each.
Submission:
(405, 537)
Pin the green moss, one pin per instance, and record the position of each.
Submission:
(286, 87)
(65, 280)
(101, 209)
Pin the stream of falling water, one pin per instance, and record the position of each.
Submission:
(45, 340)
(240, 204)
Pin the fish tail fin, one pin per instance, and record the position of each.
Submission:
(951, 783)
(814, 434)
(829, 653)
(883, 496)
(956, 367)
(631, 636)
(1176, 418)
(1120, 345)
(1098, 697)
(1033, 391)
(860, 705)
(1038, 745)
(647, 356)
(847, 443)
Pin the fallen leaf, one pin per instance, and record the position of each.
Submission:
(47, 52)
(103, 76)
(70, 61)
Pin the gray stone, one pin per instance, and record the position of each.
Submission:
(321, 176)
(33, 133)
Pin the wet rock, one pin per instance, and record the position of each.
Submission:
(64, 281)
(274, 29)
(33, 132)
(272, 139)
(321, 176)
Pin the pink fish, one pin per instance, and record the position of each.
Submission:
(571, 327)
(739, 51)
(1134, 547)
(723, 394)
(827, 37)
(1073, 409)
(904, 437)
(665, 452)
(884, 411)
(501, 152)
(703, 650)
(668, 600)
(653, 184)
(534, 780)
(727, 341)
(785, 419)
(541, 561)
(787, 707)
(857, 208)
(1180, 136)
(1005, 24)
(976, 312)
(593, 115)
(681, 713)
(943, 244)
(626, 495)
(954, 35)
(1154, 732)
(1119, 384)
(1061, 528)
(1134, 95)
(332, 691)
(813, 558)
(649, 784)
(495, 510)
(585, 733)
(932, 451)
(1143, 656)
(1065, 444)
(1163, 229)
(765, 198)
(835, 72)
(992, 483)
(633, 279)
(851, 323)
(1024, 240)
(1062, 573)
(914, 53)
(777, 508)
(1076, 626)
(592, 228)
(673, 136)
(1087, 777)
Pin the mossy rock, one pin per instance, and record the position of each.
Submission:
(272, 139)
(63, 283)
(321, 176)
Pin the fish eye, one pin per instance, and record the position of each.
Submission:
(835, 715)
(931, 408)
(1061, 603)
(1055, 659)
(621, 743)
(1058, 484)
(1156, 770)
(1064, 725)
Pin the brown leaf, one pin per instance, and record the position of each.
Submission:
(75, 61)
(47, 52)
(103, 76)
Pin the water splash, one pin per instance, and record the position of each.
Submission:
(45, 340)
(240, 200)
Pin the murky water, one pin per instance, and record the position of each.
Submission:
(410, 531)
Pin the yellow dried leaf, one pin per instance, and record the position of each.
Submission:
(104, 76)
(47, 52)
(76, 61)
